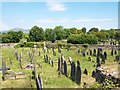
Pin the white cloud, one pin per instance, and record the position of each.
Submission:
(92, 20)
(54, 5)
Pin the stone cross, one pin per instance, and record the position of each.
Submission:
(4, 69)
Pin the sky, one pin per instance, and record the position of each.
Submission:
(103, 15)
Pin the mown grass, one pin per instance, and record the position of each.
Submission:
(49, 74)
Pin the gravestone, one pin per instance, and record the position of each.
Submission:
(78, 51)
(91, 52)
(94, 52)
(4, 69)
(59, 50)
(105, 54)
(117, 58)
(39, 53)
(39, 83)
(103, 58)
(59, 64)
(85, 71)
(93, 74)
(97, 59)
(52, 63)
(73, 71)
(112, 52)
(16, 54)
(115, 52)
(65, 68)
(78, 63)
(78, 75)
(62, 61)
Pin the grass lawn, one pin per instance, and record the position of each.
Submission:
(49, 74)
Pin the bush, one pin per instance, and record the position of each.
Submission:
(82, 39)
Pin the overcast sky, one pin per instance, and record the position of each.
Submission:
(103, 15)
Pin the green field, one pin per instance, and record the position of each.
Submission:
(49, 74)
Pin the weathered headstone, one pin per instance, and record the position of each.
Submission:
(91, 52)
(93, 74)
(52, 63)
(103, 58)
(112, 52)
(73, 71)
(78, 75)
(94, 52)
(4, 69)
(65, 68)
(59, 50)
(59, 64)
(97, 59)
(115, 52)
(105, 54)
(78, 63)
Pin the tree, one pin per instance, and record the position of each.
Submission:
(36, 34)
(93, 30)
(59, 32)
(50, 35)
(83, 30)
(15, 36)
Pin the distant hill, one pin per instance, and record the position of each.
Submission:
(18, 29)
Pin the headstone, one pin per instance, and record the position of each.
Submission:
(59, 64)
(93, 74)
(112, 52)
(73, 70)
(85, 71)
(54, 53)
(62, 59)
(4, 69)
(91, 52)
(105, 54)
(78, 63)
(94, 52)
(117, 58)
(16, 54)
(65, 68)
(59, 50)
(115, 52)
(103, 58)
(97, 59)
(78, 75)
(78, 51)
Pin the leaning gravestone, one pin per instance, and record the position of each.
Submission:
(78, 75)
(65, 68)
(73, 70)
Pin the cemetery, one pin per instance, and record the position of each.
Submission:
(60, 44)
(46, 65)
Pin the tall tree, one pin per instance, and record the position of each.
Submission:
(36, 34)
